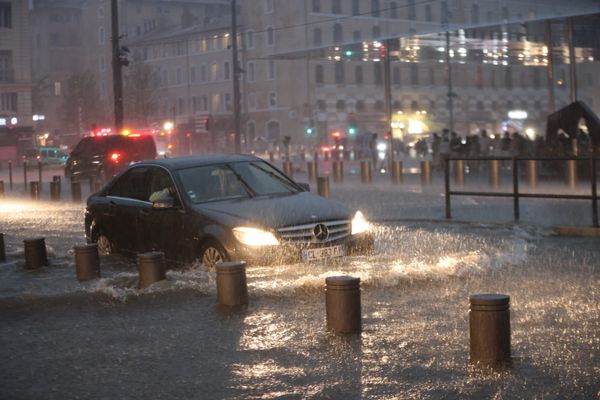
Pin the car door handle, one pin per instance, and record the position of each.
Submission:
(144, 213)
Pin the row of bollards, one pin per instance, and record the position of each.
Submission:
(55, 190)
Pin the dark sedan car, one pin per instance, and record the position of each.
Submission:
(218, 208)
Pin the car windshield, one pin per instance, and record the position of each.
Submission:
(234, 180)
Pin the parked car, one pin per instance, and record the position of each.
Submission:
(105, 156)
(46, 155)
(218, 208)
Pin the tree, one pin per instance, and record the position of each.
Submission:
(82, 106)
(140, 93)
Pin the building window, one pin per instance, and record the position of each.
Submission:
(251, 74)
(480, 106)
(251, 100)
(8, 102)
(6, 66)
(268, 6)
(355, 7)
(101, 35)
(321, 105)
(414, 74)
(428, 16)
(318, 74)
(360, 106)
(379, 105)
(180, 106)
(375, 11)
(336, 6)
(228, 102)
(396, 106)
(214, 72)
(270, 38)
(251, 131)
(272, 99)
(414, 106)
(203, 73)
(226, 71)
(377, 74)
(316, 6)
(250, 39)
(475, 13)
(376, 32)
(358, 75)
(5, 15)
(179, 76)
(393, 10)
(101, 12)
(505, 13)
(102, 63)
(193, 73)
(273, 130)
(271, 71)
(339, 72)
(204, 103)
(340, 105)
(317, 38)
(508, 82)
(338, 35)
(412, 10)
(396, 75)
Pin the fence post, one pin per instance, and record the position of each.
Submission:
(447, 186)
(532, 173)
(571, 171)
(494, 167)
(594, 193)
(515, 168)
(459, 172)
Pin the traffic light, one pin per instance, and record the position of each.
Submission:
(336, 134)
(309, 131)
(352, 130)
(206, 122)
(123, 53)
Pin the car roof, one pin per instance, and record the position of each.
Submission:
(197, 161)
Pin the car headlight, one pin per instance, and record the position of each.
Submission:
(359, 223)
(254, 236)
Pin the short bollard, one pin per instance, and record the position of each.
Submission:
(76, 192)
(10, 175)
(232, 289)
(323, 186)
(35, 253)
(271, 156)
(1, 188)
(87, 262)
(397, 177)
(2, 248)
(40, 174)
(338, 171)
(93, 181)
(532, 173)
(365, 171)
(25, 174)
(151, 268)
(571, 174)
(34, 190)
(494, 168)
(342, 304)
(55, 191)
(459, 172)
(311, 167)
(425, 172)
(489, 329)
(287, 168)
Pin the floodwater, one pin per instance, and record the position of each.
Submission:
(106, 339)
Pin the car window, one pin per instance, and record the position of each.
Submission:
(132, 184)
(212, 183)
(263, 179)
(162, 186)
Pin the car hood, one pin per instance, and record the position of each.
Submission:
(279, 211)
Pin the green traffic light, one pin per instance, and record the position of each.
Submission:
(309, 131)
(352, 131)
(348, 53)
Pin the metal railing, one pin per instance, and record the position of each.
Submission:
(515, 194)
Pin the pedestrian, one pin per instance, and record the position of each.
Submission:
(435, 150)
(444, 148)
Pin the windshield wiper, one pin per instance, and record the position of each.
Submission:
(276, 176)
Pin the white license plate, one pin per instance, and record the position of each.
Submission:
(323, 252)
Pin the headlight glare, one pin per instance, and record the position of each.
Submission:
(254, 237)
(359, 223)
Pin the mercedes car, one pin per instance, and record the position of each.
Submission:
(219, 208)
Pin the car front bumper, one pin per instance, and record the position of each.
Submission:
(287, 253)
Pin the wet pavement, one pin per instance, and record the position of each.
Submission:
(106, 339)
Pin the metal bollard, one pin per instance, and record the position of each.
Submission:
(338, 171)
(35, 253)
(55, 191)
(287, 168)
(76, 191)
(25, 174)
(494, 172)
(311, 166)
(532, 173)
(323, 186)
(342, 304)
(571, 174)
(365, 171)
(2, 248)
(1, 188)
(425, 172)
(232, 289)
(93, 181)
(459, 172)
(489, 328)
(40, 174)
(87, 262)
(151, 268)
(34, 190)
(10, 176)
(397, 177)
(271, 156)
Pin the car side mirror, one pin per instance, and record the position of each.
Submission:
(304, 186)
(163, 204)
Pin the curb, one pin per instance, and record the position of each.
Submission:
(577, 231)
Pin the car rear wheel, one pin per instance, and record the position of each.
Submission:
(104, 245)
(211, 254)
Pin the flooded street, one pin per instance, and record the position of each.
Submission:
(106, 339)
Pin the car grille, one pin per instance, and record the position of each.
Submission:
(305, 234)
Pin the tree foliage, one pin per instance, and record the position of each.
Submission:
(82, 106)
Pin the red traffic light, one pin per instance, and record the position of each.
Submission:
(336, 134)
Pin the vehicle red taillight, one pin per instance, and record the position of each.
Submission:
(114, 157)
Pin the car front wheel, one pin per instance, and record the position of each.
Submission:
(211, 254)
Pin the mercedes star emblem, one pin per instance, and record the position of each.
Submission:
(321, 232)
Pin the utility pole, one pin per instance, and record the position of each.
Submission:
(388, 101)
(236, 77)
(450, 93)
(116, 66)
(550, 67)
(572, 62)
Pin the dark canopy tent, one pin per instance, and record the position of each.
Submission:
(567, 119)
